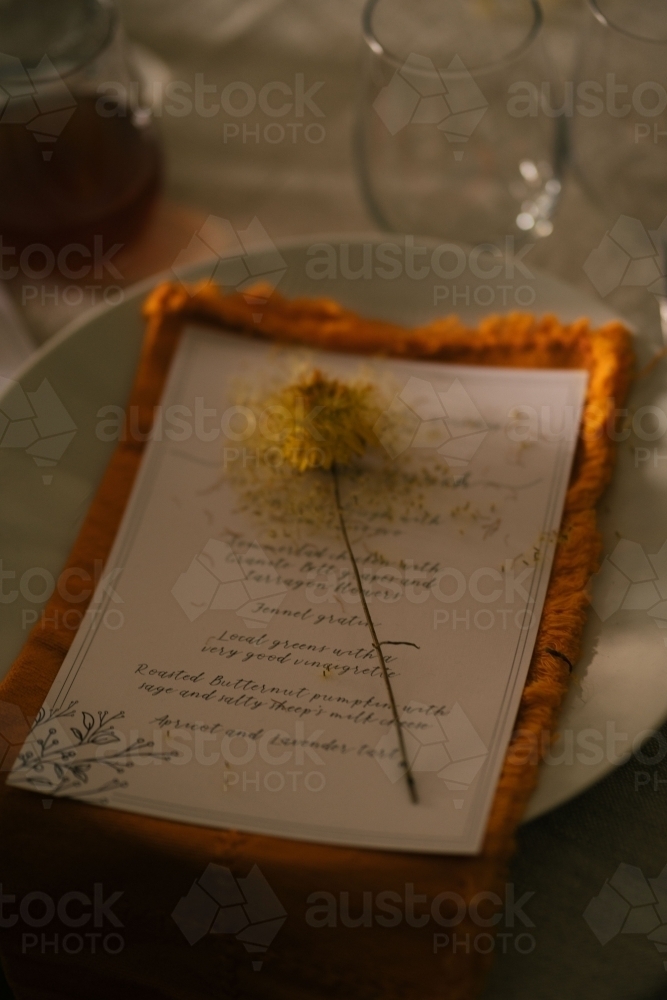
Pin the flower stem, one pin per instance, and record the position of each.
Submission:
(412, 787)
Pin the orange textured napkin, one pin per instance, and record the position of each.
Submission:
(93, 889)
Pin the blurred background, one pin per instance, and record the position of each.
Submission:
(198, 69)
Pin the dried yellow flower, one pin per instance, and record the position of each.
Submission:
(317, 422)
(320, 423)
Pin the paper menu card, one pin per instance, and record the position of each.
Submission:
(224, 674)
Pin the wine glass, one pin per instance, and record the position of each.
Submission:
(453, 137)
(619, 119)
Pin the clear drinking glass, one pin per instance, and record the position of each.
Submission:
(619, 114)
(459, 132)
(78, 161)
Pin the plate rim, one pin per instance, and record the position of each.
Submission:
(139, 288)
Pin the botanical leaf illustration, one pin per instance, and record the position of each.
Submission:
(61, 766)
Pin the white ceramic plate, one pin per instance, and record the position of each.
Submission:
(620, 686)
